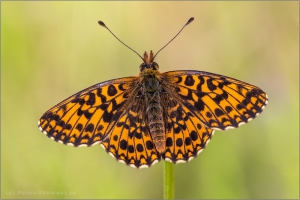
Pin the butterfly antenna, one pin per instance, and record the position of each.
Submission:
(188, 22)
(103, 25)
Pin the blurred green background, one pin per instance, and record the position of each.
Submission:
(51, 50)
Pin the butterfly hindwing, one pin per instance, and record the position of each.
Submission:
(130, 141)
(186, 135)
(220, 102)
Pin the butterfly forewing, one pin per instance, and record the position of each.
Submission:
(219, 102)
(87, 117)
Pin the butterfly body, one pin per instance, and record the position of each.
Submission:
(151, 87)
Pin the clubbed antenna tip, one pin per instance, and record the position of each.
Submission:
(190, 20)
(101, 23)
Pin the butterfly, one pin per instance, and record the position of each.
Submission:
(142, 119)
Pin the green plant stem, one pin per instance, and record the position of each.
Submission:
(168, 180)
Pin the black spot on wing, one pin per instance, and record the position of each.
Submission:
(130, 148)
(194, 135)
(149, 145)
(199, 105)
(199, 86)
(123, 144)
(91, 100)
(179, 142)
(228, 109)
(111, 90)
(90, 128)
(219, 112)
(169, 142)
(218, 99)
(210, 85)
(79, 127)
(139, 148)
(99, 94)
(189, 80)
(107, 117)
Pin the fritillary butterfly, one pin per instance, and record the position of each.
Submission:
(139, 120)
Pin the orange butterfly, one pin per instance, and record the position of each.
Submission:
(139, 120)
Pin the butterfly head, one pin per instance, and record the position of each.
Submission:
(148, 62)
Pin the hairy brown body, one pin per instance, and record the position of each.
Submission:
(154, 111)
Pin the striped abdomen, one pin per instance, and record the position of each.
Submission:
(156, 122)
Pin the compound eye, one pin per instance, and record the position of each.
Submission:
(155, 66)
(143, 66)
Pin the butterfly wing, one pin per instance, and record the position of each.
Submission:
(186, 135)
(110, 113)
(219, 102)
(86, 117)
(130, 140)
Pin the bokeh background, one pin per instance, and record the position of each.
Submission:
(51, 50)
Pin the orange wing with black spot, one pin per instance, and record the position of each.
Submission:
(219, 102)
(198, 102)
(87, 117)
(110, 113)
(186, 135)
(130, 140)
